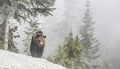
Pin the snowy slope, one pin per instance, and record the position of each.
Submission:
(11, 60)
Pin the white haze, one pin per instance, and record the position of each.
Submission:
(106, 14)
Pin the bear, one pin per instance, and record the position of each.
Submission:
(37, 44)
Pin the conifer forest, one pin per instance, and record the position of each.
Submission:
(79, 34)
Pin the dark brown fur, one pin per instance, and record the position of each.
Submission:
(37, 44)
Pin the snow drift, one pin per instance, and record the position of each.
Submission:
(9, 60)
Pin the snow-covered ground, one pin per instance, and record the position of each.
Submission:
(9, 60)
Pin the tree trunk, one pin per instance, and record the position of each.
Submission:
(90, 60)
(6, 31)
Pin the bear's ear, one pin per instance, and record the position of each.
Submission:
(36, 35)
(44, 36)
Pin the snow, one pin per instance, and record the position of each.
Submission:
(9, 60)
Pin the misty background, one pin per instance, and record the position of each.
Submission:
(69, 13)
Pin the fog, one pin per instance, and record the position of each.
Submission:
(106, 14)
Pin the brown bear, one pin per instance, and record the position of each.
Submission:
(37, 44)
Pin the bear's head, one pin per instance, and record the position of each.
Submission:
(39, 39)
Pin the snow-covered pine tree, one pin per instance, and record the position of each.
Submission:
(88, 40)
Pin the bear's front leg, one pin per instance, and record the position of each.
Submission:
(41, 49)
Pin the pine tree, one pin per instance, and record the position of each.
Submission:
(22, 10)
(88, 40)
(11, 42)
(11, 45)
(1, 36)
(69, 54)
(33, 26)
